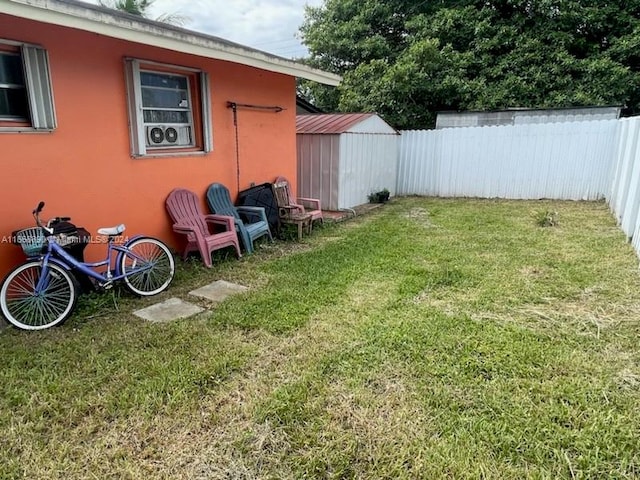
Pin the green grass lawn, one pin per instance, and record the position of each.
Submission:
(428, 339)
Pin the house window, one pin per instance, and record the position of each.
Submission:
(26, 98)
(169, 109)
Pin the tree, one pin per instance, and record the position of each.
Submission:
(408, 60)
(141, 8)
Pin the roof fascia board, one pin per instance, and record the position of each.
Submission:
(148, 33)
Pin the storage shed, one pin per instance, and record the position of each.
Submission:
(342, 158)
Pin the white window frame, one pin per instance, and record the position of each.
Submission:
(137, 125)
(37, 78)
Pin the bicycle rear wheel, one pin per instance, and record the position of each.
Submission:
(29, 309)
(148, 266)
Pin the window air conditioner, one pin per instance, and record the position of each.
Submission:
(168, 136)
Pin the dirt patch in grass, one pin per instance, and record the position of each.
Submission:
(589, 314)
(628, 378)
(386, 403)
(420, 216)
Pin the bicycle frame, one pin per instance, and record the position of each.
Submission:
(56, 254)
(42, 292)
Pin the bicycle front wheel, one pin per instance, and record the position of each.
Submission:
(31, 302)
(148, 266)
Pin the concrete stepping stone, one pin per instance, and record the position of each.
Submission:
(218, 290)
(167, 311)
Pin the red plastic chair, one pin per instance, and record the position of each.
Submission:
(303, 204)
(204, 232)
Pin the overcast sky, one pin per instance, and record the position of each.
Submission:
(269, 25)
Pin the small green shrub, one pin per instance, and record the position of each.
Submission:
(547, 218)
(379, 197)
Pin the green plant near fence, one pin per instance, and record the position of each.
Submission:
(381, 196)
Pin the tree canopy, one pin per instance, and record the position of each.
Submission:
(408, 60)
(141, 8)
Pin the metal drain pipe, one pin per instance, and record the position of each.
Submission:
(348, 210)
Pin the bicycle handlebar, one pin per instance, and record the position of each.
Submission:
(48, 228)
(39, 208)
(36, 214)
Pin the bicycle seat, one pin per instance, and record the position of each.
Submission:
(112, 231)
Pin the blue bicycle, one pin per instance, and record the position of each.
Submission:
(42, 292)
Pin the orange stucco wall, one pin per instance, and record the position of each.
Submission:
(84, 169)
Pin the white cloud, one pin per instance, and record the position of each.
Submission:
(269, 25)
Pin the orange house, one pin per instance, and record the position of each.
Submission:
(103, 113)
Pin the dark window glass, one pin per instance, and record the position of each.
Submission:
(13, 94)
(11, 69)
(13, 103)
(163, 80)
(156, 97)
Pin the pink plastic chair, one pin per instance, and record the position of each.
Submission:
(203, 231)
(304, 205)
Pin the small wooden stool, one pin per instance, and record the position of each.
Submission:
(302, 220)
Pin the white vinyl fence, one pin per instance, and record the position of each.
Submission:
(587, 160)
(569, 161)
(624, 195)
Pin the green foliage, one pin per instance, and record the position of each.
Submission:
(408, 60)
(381, 196)
(547, 218)
(134, 7)
(141, 8)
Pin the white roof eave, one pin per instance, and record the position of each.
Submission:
(103, 21)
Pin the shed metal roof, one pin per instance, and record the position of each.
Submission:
(329, 123)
